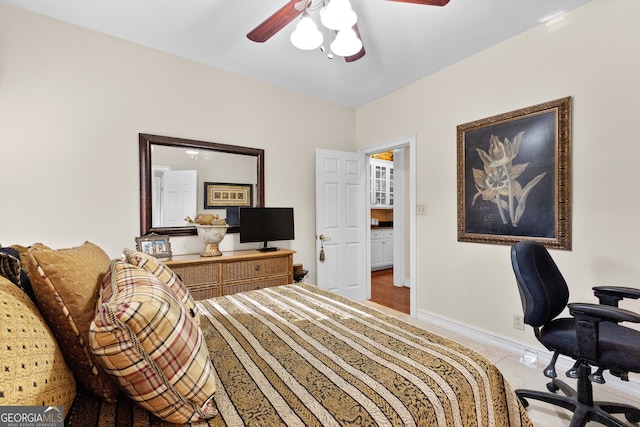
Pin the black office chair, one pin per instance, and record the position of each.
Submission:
(593, 336)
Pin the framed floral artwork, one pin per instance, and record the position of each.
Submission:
(514, 176)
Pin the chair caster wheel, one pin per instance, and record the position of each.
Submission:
(552, 387)
(632, 416)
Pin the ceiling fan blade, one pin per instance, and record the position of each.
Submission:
(277, 21)
(361, 53)
(425, 2)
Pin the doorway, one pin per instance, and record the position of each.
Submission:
(393, 285)
(384, 292)
(387, 284)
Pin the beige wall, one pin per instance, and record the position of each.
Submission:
(594, 56)
(72, 103)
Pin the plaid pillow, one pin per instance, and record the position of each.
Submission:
(153, 348)
(166, 275)
(10, 265)
(25, 262)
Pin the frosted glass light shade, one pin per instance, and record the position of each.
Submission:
(338, 15)
(346, 43)
(306, 36)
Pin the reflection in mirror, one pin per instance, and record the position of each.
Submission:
(178, 183)
(175, 174)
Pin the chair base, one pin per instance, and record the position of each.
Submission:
(581, 404)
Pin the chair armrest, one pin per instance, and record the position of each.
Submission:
(610, 295)
(603, 312)
(587, 318)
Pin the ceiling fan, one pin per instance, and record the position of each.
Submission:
(294, 8)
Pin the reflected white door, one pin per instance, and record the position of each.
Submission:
(341, 259)
(179, 198)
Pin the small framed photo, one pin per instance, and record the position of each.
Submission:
(155, 245)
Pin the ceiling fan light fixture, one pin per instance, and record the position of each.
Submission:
(306, 36)
(338, 15)
(346, 43)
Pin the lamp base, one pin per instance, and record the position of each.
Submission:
(211, 250)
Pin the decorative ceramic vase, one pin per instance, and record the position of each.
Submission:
(211, 235)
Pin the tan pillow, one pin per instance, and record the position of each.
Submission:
(24, 253)
(66, 284)
(33, 369)
(144, 337)
(166, 275)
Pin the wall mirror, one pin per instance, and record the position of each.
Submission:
(182, 177)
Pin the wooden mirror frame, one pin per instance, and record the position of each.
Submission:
(145, 142)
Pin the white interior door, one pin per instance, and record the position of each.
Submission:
(179, 198)
(341, 217)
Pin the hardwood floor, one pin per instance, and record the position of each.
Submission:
(384, 293)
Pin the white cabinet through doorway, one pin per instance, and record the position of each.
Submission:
(381, 183)
(381, 248)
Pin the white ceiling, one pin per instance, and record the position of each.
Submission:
(404, 42)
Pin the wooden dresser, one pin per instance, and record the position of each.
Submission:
(237, 271)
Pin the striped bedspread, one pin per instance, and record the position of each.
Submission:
(296, 355)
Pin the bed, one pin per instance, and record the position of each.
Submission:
(296, 355)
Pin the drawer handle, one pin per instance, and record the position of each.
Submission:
(257, 267)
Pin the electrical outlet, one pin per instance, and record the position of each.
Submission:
(518, 322)
(422, 209)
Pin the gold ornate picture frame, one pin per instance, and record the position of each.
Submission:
(514, 176)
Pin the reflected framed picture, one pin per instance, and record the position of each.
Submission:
(155, 245)
(514, 176)
(223, 195)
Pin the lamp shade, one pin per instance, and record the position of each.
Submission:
(306, 36)
(338, 15)
(346, 43)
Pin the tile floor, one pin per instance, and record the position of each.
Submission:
(521, 376)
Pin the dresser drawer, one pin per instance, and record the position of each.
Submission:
(202, 280)
(196, 274)
(236, 271)
(256, 268)
(204, 291)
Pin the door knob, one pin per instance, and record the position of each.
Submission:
(323, 239)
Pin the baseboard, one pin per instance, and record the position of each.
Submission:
(632, 387)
